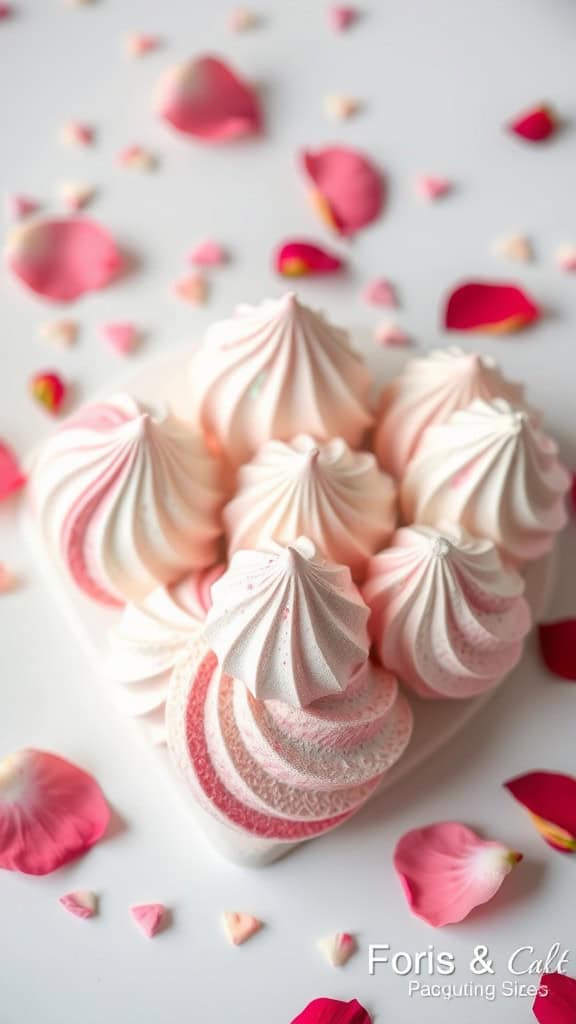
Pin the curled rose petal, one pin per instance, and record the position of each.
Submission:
(566, 257)
(558, 647)
(550, 799)
(208, 100)
(75, 195)
(333, 1011)
(123, 337)
(12, 478)
(380, 292)
(431, 187)
(447, 870)
(301, 259)
(62, 259)
(555, 1001)
(239, 927)
(82, 904)
(76, 133)
(50, 812)
(338, 948)
(50, 390)
(208, 254)
(342, 16)
(19, 207)
(150, 917)
(490, 307)
(536, 124)
(348, 190)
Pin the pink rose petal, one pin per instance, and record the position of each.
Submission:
(390, 335)
(338, 948)
(12, 478)
(62, 259)
(149, 917)
(206, 99)
(82, 903)
(333, 1011)
(208, 254)
(242, 19)
(50, 812)
(515, 247)
(60, 332)
(8, 581)
(566, 257)
(431, 187)
(193, 288)
(6, 11)
(342, 16)
(76, 133)
(341, 107)
(348, 189)
(75, 195)
(137, 158)
(555, 1001)
(122, 337)
(380, 292)
(19, 207)
(138, 44)
(446, 870)
(239, 927)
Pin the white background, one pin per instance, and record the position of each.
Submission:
(438, 79)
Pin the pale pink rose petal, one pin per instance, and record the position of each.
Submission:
(206, 99)
(82, 903)
(566, 257)
(60, 332)
(18, 207)
(380, 292)
(149, 917)
(239, 927)
(242, 19)
(75, 195)
(338, 948)
(8, 580)
(348, 190)
(391, 335)
(515, 247)
(431, 187)
(62, 259)
(208, 254)
(122, 337)
(76, 133)
(447, 870)
(138, 44)
(193, 288)
(12, 478)
(50, 812)
(341, 107)
(137, 158)
(342, 16)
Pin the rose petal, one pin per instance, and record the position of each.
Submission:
(61, 332)
(208, 100)
(515, 247)
(300, 259)
(50, 390)
(348, 189)
(550, 799)
(446, 870)
(6, 11)
(555, 1001)
(380, 292)
(566, 257)
(50, 812)
(536, 124)
(192, 288)
(83, 903)
(333, 1011)
(122, 337)
(137, 158)
(76, 133)
(342, 16)
(241, 19)
(75, 195)
(239, 927)
(149, 917)
(338, 948)
(8, 581)
(208, 254)
(558, 647)
(430, 186)
(11, 477)
(19, 207)
(138, 44)
(63, 259)
(341, 107)
(490, 307)
(391, 335)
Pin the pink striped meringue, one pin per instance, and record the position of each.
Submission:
(273, 370)
(447, 617)
(289, 625)
(274, 771)
(148, 640)
(127, 497)
(428, 391)
(335, 496)
(494, 472)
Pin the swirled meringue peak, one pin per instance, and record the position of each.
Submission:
(273, 370)
(494, 472)
(291, 626)
(127, 497)
(428, 391)
(148, 640)
(333, 495)
(446, 615)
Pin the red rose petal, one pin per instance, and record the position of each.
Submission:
(536, 124)
(491, 307)
(11, 477)
(348, 189)
(555, 1001)
(558, 647)
(50, 812)
(550, 798)
(62, 259)
(333, 1011)
(206, 99)
(300, 259)
(50, 390)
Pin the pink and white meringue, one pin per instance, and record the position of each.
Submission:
(428, 391)
(272, 371)
(277, 772)
(127, 497)
(494, 472)
(148, 640)
(447, 617)
(336, 496)
(289, 625)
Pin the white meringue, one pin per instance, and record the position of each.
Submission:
(428, 391)
(333, 495)
(148, 640)
(273, 370)
(446, 616)
(127, 497)
(290, 626)
(492, 471)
